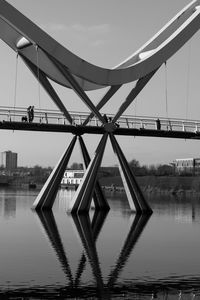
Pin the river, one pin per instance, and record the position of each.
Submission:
(101, 256)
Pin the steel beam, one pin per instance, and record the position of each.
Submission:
(141, 83)
(47, 195)
(80, 130)
(99, 198)
(47, 86)
(112, 90)
(77, 88)
(134, 194)
(82, 199)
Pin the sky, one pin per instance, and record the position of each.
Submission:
(104, 33)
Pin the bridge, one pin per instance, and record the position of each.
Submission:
(55, 121)
(48, 60)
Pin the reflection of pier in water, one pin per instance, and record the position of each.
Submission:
(88, 232)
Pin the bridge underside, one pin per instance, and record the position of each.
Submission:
(80, 130)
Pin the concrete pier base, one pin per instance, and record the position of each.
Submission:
(100, 201)
(46, 197)
(82, 199)
(134, 194)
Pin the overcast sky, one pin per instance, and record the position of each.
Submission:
(105, 33)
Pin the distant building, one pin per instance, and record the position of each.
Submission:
(9, 160)
(187, 165)
(72, 178)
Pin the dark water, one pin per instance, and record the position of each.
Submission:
(115, 256)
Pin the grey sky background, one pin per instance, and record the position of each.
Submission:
(105, 33)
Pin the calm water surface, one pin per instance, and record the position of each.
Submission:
(117, 255)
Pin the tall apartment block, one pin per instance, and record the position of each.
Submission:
(9, 160)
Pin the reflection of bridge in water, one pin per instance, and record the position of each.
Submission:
(88, 231)
(49, 61)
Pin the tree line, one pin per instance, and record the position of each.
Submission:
(138, 170)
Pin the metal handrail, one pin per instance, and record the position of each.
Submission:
(125, 121)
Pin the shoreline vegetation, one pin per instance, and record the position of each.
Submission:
(152, 179)
(173, 185)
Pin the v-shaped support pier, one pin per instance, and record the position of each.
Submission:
(134, 194)
(46, 197)
(83, 196)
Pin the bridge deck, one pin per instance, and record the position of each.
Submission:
(55, 121)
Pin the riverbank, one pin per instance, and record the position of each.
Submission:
(149, 184)
(166, 184)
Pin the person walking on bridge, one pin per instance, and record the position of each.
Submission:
(31, 113)
(158, 125)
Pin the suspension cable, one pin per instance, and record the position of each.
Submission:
(135, 110)
(15, 88)
(188, 80)
(38, 75)
(166, 90)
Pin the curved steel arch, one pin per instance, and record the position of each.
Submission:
(65, 68)
(22, 35)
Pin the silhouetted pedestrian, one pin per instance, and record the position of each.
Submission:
(158, 125)
(46, 118)
(170, 125)
(105, 118)
(29, 114)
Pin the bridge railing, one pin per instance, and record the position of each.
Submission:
(17, 114)
(175, 124)
(40, 116)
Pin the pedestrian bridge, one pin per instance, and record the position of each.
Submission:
(49, 61)
(54, 120)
